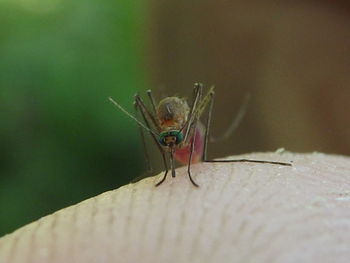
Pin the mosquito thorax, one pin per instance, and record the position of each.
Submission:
(168, 138)
(172, 112)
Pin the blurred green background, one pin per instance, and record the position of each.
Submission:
(62, 141)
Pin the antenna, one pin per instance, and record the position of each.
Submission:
(132, 116)
(241, 112)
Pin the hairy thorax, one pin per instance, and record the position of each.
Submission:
(172, 113)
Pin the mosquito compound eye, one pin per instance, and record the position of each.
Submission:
(162, 141)
(162, 138)
(179, 137)
(170, 137)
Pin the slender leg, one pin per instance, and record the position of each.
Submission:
(207, 129)
(198, 106)
(166, 169)
(163, 179)
(147, 159)
(137, 104)
(153, 103)
(172, 164)
(146, 113)
(208, 126)
(198, 89)
(247, 161)
(190, 158)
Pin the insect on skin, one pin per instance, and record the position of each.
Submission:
(177, 131)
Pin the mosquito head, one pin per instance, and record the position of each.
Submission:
(171, 138)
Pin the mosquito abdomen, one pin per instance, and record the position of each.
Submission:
(182, 155)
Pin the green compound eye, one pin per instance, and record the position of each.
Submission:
(164, 136)
(179, 137)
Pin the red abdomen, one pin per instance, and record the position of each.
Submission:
(182, 155)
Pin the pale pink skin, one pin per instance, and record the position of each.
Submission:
(182, 155)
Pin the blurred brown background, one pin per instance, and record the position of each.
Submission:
(292, 56)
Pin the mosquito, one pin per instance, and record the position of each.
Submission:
(177, 131)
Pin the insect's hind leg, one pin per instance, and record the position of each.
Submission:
(163, 179)
(190, 157)
(246, 161)
(145, 151)
(207, 135)
(152, 100)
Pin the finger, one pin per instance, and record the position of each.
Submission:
(243, 212)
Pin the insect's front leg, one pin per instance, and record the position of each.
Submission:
(145, 151)
(139, 106)
(197, 95)
(192, 144)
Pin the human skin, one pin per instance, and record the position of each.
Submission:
(242, 212)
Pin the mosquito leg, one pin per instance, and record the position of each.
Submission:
(145, 112)
(198, 89)
(247, 161)
(172, 165)
(153, 103)
(137, 104)
(197, 94)
(207, 129)
(207, 135)
(165, 165)
(190, 158)
(198, 108)
(147, 159)
(164, 177)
